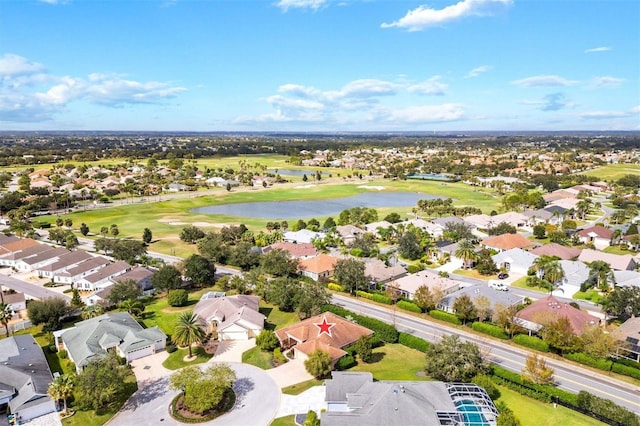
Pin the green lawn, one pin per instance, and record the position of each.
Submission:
(394, 362)
(298, 388)
(284, 421)
(532, 412)
(276, 319)
(613, 171)
(592, 295)
(618, 250)
(176, 360)
(522, 283)
(257, 357)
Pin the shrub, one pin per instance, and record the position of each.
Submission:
(380, 298)
(267, 341)
(412, 269)
(277, 354)
(63, 354)
(444, 316)
(626, 370)
(178, 297)
(409, 306)
(485, 382)
(335, 287)
(171, 348)
(582, 358)
(531, 342)
(383, 331)
(345, 363)
(413, 342)
(490, 329)
(364, 294)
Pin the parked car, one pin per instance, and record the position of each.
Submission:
(498, 285)
(503, 275)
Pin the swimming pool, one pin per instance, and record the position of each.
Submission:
(471, 412)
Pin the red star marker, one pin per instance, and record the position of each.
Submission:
(324, 327)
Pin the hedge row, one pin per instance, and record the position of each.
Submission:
(380, 298)
(445, 316)
(628, 363)
(604, 364)
(335, 287)
(582, 358)
(385, 332)
(606, 410)
(490, 329)
(409, 306)
(413, 342)
(531, 342)
(567, 397)
(625, 370)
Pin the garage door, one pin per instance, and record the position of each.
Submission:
(37, 410)
(234, 335)
(140, 353)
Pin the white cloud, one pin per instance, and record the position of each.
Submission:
(54, 2)
(12, 65)
(598, 49)
(605, 81)
(427, 114)
(478, 70)
(604, 115)
(27, 93)
(285, 5)
(432, 86)
(367, 88)
(544, 81)
(424, 16)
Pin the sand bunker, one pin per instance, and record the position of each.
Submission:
(175, 222)
(373, 187)
(304, 186)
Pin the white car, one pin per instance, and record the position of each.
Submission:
(500, 286)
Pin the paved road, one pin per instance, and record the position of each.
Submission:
(257, 401)
(568, 376)
(33, 290)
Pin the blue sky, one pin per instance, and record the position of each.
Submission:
(319, 65)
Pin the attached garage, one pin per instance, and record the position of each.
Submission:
(233, 332)
(139, 353)
(35, 408)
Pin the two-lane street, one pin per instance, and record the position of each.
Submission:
(567, 376)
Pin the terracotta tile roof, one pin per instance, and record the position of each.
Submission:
(599, 231)
(295, 250)
(309, 336)
(319, 264)
(553, 249)
(508, 241)
(549, 309)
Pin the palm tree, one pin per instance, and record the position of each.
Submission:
(61, 388)
(92, 311)
(615, 237)
(6, 313)
(465, 251)
(541, 263)
(188, 330)
(134, 307)
(603, 274)
(548, 268)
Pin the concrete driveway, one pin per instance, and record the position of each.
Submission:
(257, 396)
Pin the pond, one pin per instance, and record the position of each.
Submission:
(315, 208)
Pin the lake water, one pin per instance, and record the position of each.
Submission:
(315, 208)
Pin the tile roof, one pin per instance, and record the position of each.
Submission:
(554, 249)
(294, 250)
(319, 264)
(599, 231)
(549, 309)
(310, 337)
(616, 261)
(508, 241)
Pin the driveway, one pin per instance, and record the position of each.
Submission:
(288, 374)
(257, 396)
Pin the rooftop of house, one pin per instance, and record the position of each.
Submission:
(228, 309)
(596, 231)
(326, 331)
(295, 250)
(557, 250)
(550, 309)
(616, 261)
(319, 264)
(508, 241)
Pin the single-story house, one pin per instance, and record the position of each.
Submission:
(79, 270)
(328, 332)
(230, 317)
(354, 398)
(373, 227)
(507, 241)
(408, 285)
(538, 216)
(629, 333)
(434, 229)
(24, 378)
(378, 272)
(92, 338)
(296, 251)
(619, 262)
(557, 250)
(627, 278)
(301, 236)
(494, 297)
(319, 267)
(101, 278)
(599, 236)
(547, 309)
(575, 274)
(349, 233)
(64, 262)
(514, 260)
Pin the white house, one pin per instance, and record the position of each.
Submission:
(231, 317)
